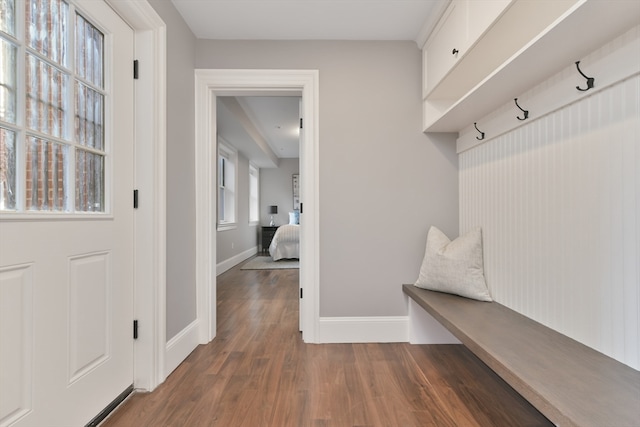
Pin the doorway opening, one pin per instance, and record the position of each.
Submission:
(211, 84)
(258, 137)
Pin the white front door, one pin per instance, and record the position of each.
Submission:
(66, 214)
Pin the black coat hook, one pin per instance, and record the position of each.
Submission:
(526, 112)
(590, 80)
(481, 137)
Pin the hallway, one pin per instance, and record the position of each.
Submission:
(258, 372)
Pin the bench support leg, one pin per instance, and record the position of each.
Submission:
(424, 329)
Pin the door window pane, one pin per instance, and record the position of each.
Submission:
(46, 175)
(46, 24)
(89, 181)
(89, 49)
(89, 117)
(46, 91)
(7, 169)
(8, 16)
(7, 81)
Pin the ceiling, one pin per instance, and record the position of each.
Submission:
(265, 129)
(307, 19)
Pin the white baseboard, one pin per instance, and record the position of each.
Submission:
(181, 346)
(425, 329)
(235, 260)
(363, 329)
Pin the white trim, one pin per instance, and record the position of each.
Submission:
(425, 329)
(208, 84)
(229, 263)
(180, 346)
(225, 226)
(430, 23)
(363, 329)
(150, 218)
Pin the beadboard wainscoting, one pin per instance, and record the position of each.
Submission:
(558, 200)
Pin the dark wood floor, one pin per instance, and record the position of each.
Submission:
(258, 372)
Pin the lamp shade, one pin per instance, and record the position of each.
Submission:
(273, 209)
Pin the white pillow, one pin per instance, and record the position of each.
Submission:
(454, 267)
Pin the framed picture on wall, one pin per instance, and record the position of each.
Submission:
(296, 191)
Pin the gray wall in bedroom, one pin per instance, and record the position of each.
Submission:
(276, 188)
(383, 182)
(181, 253)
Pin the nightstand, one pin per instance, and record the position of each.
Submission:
(267, 237)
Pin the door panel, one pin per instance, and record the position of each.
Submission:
(66, 280)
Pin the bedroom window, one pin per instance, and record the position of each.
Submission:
(254, 185)
(227, 178)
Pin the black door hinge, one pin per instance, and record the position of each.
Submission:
(300, 122)
(300, 293)
(135, 69)
(300, 207)
(135, 329)
(135, 199)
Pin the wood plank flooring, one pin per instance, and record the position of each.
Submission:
(258, 372)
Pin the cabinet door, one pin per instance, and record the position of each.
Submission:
(449, 34)
(481, 14)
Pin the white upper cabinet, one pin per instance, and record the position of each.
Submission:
(505, 48)
(462, 23)
(443, 48)
(481, 14)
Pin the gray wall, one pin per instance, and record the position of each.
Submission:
(276, 188)
(181, 281)
(382, 181)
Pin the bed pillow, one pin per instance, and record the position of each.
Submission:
(294, 217)
(454, 267)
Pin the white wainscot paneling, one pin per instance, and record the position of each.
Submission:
(16, 342)
(89, 299)
(558, 200)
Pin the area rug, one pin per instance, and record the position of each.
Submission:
(267, 263)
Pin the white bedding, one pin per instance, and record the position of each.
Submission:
(286, 242)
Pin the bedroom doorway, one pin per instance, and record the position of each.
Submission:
(211, 84)
(259, 136)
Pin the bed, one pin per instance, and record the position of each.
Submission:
(286, 242)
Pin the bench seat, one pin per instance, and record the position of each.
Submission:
(568, 382)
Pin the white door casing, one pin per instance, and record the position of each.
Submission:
(66, 280)
(208, 85)
(150, 217)
(300, 288)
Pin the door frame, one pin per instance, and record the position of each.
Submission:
(210, 83)
(150, 179)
